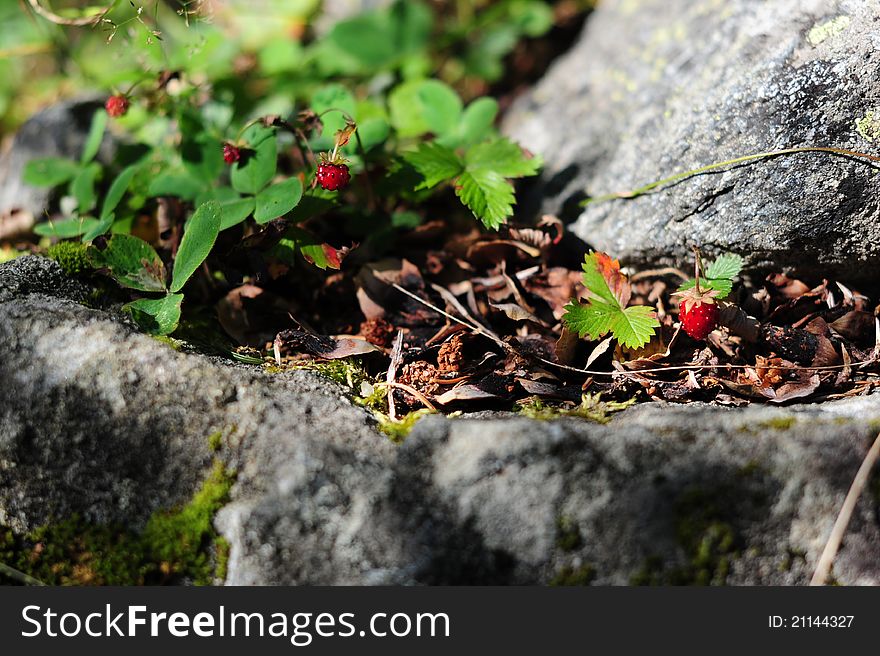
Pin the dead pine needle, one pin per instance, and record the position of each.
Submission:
(823, 567)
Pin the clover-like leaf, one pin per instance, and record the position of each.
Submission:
(487, 194)
(606, 310)
(436, 163)
(719, 275)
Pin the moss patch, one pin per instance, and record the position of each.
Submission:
(777, 423)
(71, 256)
(583, 575)
(176, 546)
(592, 407)
(400, 429)
(568, 537)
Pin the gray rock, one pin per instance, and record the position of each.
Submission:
(57, 131)
(100, 420)
(658, 87)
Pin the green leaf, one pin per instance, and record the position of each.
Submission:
(532, 17)
(633, 326)
(66, 228)
(488, 195)
(475, 124)
(372, 131)
(421, 106)
(132, 262)
(333, 96)
(202, 156)
(606, 309)
(96, 136)
(83, 187)
(321, 255)
(101, 226)
(158, 316)
(436, 163)
(503, 157)
(117, 190)
(366, 38)
(180, 184)
(277, 200)
(719, 275)
(727, 266)
(49, 171)
(233, 212)
(258, 165)
(440, 105)
(197, 242)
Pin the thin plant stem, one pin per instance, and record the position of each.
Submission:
(640, 191)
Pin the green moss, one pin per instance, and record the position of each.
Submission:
(591, 407)
(400, 429)
(71, 255)
(583, 575)
(175, 546)
(777, 423)
(705, 529)
(215, 441)
(568, 537)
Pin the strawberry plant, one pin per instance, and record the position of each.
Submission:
(359, 126)
(607, 309)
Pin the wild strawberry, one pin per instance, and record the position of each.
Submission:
(699, 316)
(333, 175)
(231, 154)
(117, 105)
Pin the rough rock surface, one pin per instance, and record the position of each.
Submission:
(98, 419)
(58, 131)
(658, 87)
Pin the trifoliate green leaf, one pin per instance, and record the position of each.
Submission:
(606, 310)
(436, 163)
(719, 275)
(488, 195)
(502, 156)
(725, 266)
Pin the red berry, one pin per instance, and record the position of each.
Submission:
(698, 319)
(333, 176)
(231, 154)
(117, 105)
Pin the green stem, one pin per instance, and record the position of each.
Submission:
(21, 577)
(640, 191)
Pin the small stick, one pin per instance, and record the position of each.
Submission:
(416, 393)
(392, 373)
(823, 567)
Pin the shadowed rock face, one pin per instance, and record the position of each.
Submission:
(658, 87)
(99, 420)
(57, 131)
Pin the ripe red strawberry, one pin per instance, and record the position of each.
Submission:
(231, 154)
(117, 105)
(698, 317)
(333, 175)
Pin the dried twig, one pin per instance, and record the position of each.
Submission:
(823, 567)
(411, 390)
(391, 377)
